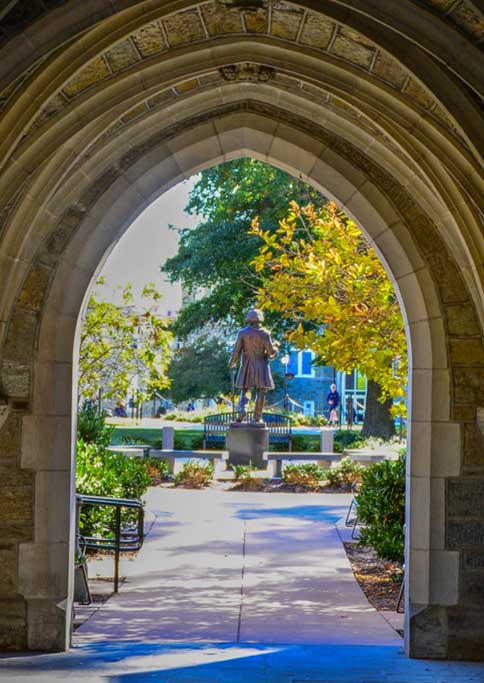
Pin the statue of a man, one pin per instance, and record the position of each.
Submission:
(255, 346)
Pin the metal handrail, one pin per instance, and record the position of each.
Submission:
(122, 541)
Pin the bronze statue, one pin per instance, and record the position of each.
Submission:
(255, 345)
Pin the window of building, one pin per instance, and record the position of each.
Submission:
(300, 364)
(305, 366)
(293, 364)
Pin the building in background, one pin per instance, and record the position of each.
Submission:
(303, 387)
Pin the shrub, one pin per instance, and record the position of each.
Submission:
(305, 442)
(381, 507)
(307, 475)
(345, 438)
(157, 469)
(245, 477)
(100, 472)
(193, 475)
(92, 427)
(345, 474)
(186, 440)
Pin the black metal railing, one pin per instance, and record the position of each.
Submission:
(123, 538)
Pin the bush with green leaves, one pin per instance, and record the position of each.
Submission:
(100, 472)
(194, 475)
(92, 427)
(188, 440)
(344, 474)
(307, 475)
(347, 438)
(246, 478)
(156, 468)
(381, 508)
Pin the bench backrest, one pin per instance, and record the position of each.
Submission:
(215, 428)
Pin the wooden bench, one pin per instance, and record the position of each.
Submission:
(172, 458)
(215, 428)
(275, 460)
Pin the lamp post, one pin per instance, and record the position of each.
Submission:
(285, 362)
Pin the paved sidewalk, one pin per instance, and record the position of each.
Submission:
(239, 587)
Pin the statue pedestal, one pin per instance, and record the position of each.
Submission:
(246, 442)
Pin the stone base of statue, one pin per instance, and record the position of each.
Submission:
(246, 443)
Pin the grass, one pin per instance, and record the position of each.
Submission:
(191, 439)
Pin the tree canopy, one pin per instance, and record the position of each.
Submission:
(213, 259)
(318, 271)
(124, 344)
(199, 369)
(313, 272)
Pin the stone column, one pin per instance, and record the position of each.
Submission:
(246, 444)
(326, 440)
(168, 438)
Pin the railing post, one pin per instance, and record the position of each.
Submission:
(78, 533)
(117, 542)
(141, 523)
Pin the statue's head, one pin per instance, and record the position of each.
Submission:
(254, 315)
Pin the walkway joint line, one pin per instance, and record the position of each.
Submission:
(242, 574)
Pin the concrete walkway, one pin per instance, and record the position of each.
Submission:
(239, 587)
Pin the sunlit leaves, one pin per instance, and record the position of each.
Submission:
(318, 271)
(124, 344)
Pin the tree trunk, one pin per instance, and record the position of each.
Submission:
(378, 421)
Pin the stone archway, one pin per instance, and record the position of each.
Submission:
(107, 133)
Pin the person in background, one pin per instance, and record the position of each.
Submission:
(120, 410)
(332, 399)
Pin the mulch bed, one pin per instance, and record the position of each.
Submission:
(278, 486)
(380, 580)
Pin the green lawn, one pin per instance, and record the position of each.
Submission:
(191, 439)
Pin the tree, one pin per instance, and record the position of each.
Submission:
(124, 344)
(200, 369)
(330, 284)
(213, 258)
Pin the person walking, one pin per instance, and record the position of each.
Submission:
(332, 399)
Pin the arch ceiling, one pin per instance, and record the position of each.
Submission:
(388, 93)
(70, 93)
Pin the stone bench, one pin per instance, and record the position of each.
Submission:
(364, 458)
(172, 458)
(276, 458)
(132, 449)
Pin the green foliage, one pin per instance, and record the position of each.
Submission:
(136, 435)
(322, 276)
(200, 370)
(216, 254)
(156, 468)
(119, 343)
(307, 475)
(92, 427)
(305, 442)
(246, 478)
(100, 472)
(344, 474)
(194, 475)
(188, 440)
(381, 508)
(300, 420)
(346, 438)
